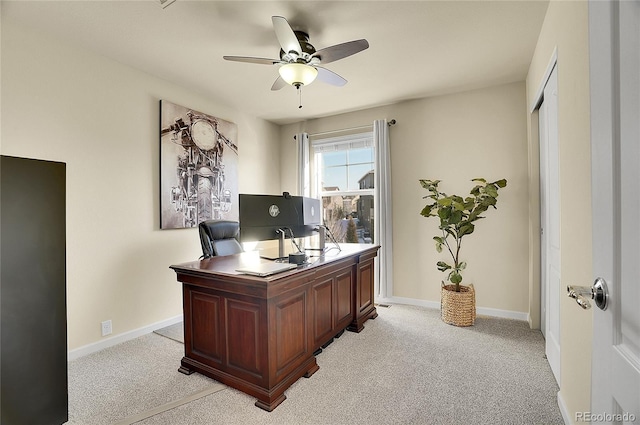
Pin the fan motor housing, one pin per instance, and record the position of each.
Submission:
(307, 48)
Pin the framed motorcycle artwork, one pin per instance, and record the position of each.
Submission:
(198, 167)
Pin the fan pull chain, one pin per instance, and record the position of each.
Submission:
(299, 98)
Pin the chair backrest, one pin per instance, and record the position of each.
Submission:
(219, 237)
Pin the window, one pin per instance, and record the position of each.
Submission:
(352, 175)
(343, 170)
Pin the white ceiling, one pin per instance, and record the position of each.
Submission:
(417, 48)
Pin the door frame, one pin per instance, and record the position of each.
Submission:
(535, 263)
(552, 338)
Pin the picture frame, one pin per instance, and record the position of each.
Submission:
(198, 167)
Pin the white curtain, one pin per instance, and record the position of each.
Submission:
(302, 140)
(382, 210)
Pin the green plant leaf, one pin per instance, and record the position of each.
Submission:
(488, 201)
(426, 211)
(458, 206)
(501, 183)
(431, 186)
(444, 213)
(491, 190)
(439, 241)
(469, 204)
(479, 209)
(462, 265)
(455, 277)
(445, 202)
(466, 229)
(479, 179)
(442, 266)
(456, 217)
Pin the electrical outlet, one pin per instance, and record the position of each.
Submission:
(106, 328)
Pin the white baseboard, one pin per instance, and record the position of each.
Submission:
(563, 410)
(409, 301)
(505, 314)
(120, 338)
(484, 311)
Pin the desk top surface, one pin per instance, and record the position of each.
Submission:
(227, 265)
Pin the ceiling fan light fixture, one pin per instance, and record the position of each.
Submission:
(298, 74)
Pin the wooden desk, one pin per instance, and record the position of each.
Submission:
(259, 335)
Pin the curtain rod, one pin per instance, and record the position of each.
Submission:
(362, 127)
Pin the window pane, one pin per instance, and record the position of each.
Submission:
(334, 158)
(349, 218)
(334, 178)
(357, 173)
(359, 156)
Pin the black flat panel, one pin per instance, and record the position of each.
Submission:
(33, 292)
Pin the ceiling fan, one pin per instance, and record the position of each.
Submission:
(300, 61)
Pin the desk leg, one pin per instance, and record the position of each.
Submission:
(364, 306)
(312, 370)
(185, 369)
(272, 405)
(358, 323)
(270, 400)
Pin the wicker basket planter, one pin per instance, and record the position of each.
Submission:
(458, 308)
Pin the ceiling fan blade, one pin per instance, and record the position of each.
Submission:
(330, 77)
(260, 61)
(278, 84)
(286, 37)
(339, 51)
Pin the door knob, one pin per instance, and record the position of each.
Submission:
(598, 292)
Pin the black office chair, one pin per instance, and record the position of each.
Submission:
(219, 237)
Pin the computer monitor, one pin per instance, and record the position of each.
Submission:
(310, 211)
(277, 217)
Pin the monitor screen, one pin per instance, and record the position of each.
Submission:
(262, 216)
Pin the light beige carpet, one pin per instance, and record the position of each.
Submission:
(405, 367)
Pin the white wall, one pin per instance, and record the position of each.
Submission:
(565, 28)
(454, 138)
(102, 119)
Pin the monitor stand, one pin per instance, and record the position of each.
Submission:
(321, 237)
(284, 250)
(281, 254)
(320, 246)
(281, 244)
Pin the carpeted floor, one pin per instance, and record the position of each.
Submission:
(129, 379)
(174, 332)
(405, 367)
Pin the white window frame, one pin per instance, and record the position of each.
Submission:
(320, 145)
(377, 135)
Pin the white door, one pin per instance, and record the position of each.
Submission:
(550, 222)
(614, 31)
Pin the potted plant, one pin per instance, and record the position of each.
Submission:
(457, 216)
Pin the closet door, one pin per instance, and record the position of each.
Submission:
(33, 292)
